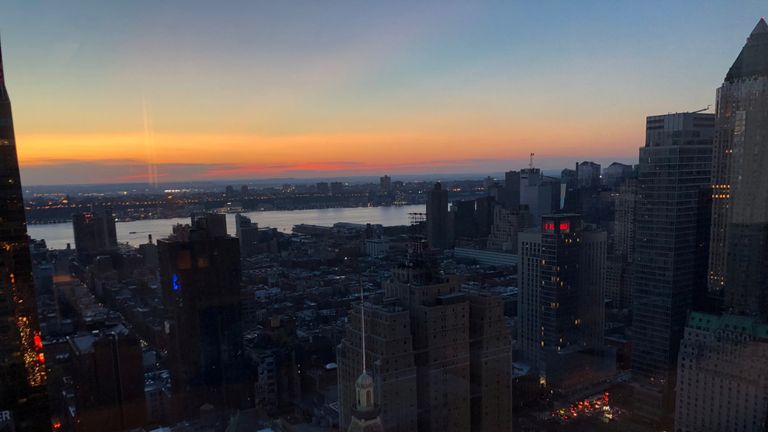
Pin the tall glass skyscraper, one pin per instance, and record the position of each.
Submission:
(739, 257)
(672, 233)
(22, 362)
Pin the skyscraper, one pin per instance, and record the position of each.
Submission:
(722, 372)
(95, 233)
(200, 281)
(738, 261)
(561, 310)
(437, 218)
(670, 252)
(22, 369)
(511, 193)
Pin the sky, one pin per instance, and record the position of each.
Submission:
(147, 90)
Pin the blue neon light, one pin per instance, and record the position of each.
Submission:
(175, 282)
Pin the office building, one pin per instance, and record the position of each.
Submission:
(722, 374)
(510, 197)
(95, 234)
(738, 262)
(22, 369)
(437, 218)
(669, 261)
(200, 282)
(561, 311)
(616, 174)
(540, 193)
(247, 233)
(587, 174)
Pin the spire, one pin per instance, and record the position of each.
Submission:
(362, 319)
(2, 75)
(753, 60)
(761, 27)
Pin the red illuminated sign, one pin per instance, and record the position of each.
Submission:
(565, 225)
(38, 342)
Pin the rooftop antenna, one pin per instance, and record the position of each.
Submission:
(530, 162)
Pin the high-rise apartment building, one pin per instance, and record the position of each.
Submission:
(738, 263)
(437, 218)
(561, 309)
(669, 262)
(95, 233)
(22, 369)
(200, 280)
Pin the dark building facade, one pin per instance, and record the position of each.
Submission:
(200, 278)
(437, 218)
(109, 392)
(669, 260)
(95, 233)
(22, 369)
(511, 193)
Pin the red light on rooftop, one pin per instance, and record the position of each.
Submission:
(41, 358)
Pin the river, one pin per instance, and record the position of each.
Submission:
(58, 235)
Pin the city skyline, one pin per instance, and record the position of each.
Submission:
(146, 92)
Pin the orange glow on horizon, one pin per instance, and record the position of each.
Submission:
(254, 155)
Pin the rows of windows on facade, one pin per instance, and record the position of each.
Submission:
(629, 297)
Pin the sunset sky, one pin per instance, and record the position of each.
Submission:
(261, 89)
